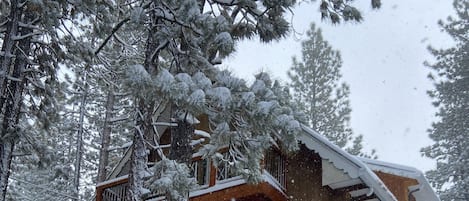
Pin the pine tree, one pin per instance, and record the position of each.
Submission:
(317, 91)
(338, 11)
(184, 40)
(43, 156)
(450, 133)
(44, 144)
(196, 41)
(29, 58)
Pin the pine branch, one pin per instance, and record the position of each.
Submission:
(114, 30)
(46, 189)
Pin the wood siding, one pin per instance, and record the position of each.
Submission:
(398, 185)
(304, 179)
(260, 192)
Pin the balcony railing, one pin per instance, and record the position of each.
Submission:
(112, 190)
(275, 165)
(206, 175)
(115, 193)
(116, 189)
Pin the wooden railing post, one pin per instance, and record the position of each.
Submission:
(99, 194)
(213, 174)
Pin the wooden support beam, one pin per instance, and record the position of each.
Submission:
(351, 188)
(364, 197)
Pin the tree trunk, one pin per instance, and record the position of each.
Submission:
(13, 82)
(7, 48)
(138, 161)
(81, 129)
(144, 125)
(6, 146)
(181, 149)
(6, 150)
(181, 136)
(106, 137)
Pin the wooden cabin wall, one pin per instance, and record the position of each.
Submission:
(204, 123)
(244, 192)
(399, 186)
(304, 178)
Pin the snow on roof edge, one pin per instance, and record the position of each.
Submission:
(218, 187)
(364, 173)
(118, 167)
(391, 168)
(426, 191)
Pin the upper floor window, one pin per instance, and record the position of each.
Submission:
(200, 169)
(225, 169)
(275, 165)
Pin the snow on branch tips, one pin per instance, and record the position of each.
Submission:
(220, 97)
(138, 79)
(201, 81)
(171, 177)
(164, 80)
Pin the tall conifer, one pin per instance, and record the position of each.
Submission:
(315, 81)
(450, 133)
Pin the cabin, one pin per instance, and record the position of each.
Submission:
(319, 171)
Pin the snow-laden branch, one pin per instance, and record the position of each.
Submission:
(114, 30)
(227, 2)
(158, 49)
(116, 119)
(46, 189)
(30, 24)
(202, 133)
(22, 37)
(168, 14)
(165, 124)
(13, 78)
(36, 84)
(123, 146)
(197, 142)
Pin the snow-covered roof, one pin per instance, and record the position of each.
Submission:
(350, 164)
(358, 170)
(121, 164)
(424, 189)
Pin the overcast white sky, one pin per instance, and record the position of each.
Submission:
(383, 59)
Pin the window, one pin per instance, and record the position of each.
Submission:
(275, 165)
(225, 170)
(200, 169)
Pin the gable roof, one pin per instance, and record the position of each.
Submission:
(348, 163)
(423, 191)
(354, 170)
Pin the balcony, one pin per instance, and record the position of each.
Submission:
(215, 183)
(275, 167)
(112, 190)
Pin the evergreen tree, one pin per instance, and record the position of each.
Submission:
(317, 91)
(44, 156)
(30, 52)
(193, 38)
(338, 11)
(47, 147)
(96, 85)
(450, 75)
(184, 39)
